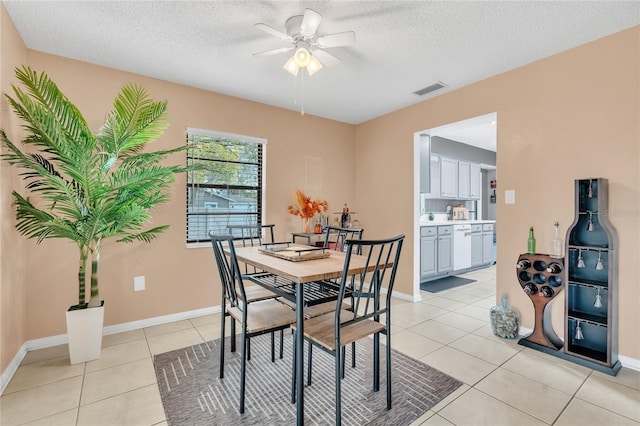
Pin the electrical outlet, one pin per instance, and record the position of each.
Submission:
(138, 283)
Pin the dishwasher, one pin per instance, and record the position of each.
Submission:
(461, 247)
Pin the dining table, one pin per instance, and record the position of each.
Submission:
(302, 273)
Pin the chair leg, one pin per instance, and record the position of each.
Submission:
(233, 334)
(248, 349)
(243, 367)
(388, 370)
(273, 346)
(281, 343)
(338, 359)
(376, 362)
(309, 362)
(353, 354)
(222, 321)
(344, 353)
(293, 372)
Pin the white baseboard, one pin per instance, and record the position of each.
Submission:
(631, 363)
(61, 339)
(11, 369)
(408, 297)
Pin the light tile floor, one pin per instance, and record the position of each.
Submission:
(504, 383)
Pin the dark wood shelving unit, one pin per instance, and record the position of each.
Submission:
(590, 275)
(591, 262)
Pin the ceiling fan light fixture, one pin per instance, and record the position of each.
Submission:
(314, 66)
(292, 66)
(302, 57)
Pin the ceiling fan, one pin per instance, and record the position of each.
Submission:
(301, 32)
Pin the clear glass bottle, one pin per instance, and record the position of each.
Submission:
(556, 250)
(505, 322)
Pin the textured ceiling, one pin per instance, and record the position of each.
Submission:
(401, 47)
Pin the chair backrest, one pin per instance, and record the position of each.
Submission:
(382, 257)
(230, 277)
(252, 235)
(336, 237)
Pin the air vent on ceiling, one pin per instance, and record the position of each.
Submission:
(437, 86)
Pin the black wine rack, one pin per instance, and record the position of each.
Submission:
(591, 320)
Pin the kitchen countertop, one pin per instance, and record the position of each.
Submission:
(453, 222)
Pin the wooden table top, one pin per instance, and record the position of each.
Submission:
(301, 272)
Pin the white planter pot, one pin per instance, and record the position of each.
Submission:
(84, 329)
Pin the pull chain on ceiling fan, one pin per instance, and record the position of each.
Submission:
(301, 32)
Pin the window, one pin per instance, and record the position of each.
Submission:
(226, 185)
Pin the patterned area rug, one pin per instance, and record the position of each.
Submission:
(192, 393)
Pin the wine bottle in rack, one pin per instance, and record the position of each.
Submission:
(546, 291)
(531, 242)
(554, 268)
(530, 288)
(556, 247)
(523, 264)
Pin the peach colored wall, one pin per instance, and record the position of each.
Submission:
(179, 279)
(584, 100)
(12, 252)
(569, 116)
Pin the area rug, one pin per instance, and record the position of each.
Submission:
(446, 283)
(192, 393)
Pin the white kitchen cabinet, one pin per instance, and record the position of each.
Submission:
(475, 181)
(448, 178)
(464, 170)
(434, 173)
(428, 251)
(445, 249)
(487, 243)
(476, 245)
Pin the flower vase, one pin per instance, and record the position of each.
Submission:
(305, 225)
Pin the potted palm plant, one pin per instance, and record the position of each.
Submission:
(87, 187)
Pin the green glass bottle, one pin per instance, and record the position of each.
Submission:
(531, 243)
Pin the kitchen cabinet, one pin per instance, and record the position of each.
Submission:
(487, 243)
(476, 245)
(434, 180)
(448, 178)
(475, 181)
(428, 251)
(464, 170)
(445, 249)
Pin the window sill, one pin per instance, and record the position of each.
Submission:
(198, 245)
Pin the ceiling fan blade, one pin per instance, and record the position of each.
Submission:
(273, 31)
(325, 57)
(274, 51)
(336, 40)
(310, 23)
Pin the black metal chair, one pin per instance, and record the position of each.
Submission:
(333, 331)
(335, 237)
(252, 235)
(255, 318)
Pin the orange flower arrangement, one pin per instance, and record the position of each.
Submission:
(305, 207)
